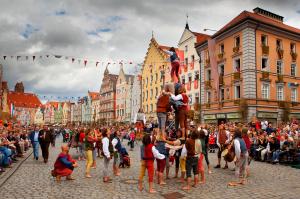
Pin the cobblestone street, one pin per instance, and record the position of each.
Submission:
(33, 180)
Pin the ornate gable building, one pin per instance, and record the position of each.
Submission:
(108, 97)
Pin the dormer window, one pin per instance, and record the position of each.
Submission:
(293, 48)
(237, 41)
(278, 44)
(264, 40)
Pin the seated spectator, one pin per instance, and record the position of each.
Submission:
(64, 165)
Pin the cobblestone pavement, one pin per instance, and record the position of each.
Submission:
(33, 180)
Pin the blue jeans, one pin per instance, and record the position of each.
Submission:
(162, 118)
(276, 155)
(7, 153)
(35, 146)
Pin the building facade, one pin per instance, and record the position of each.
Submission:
(95, 106)
(249, 69)
(135, 96)
(108, 97)
(123, 96)
(155, 72)
(190, 70)
(66, 113)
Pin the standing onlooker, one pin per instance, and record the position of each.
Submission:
(45, 138)
(116, 142)
(223, 139)
(89, 147)
(34, 138)
(107, 148)
(81, 142)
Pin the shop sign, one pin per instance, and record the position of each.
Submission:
(221, 116)
(233, 115)
(266, 115)
(209, 117)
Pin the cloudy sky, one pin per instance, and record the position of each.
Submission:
(105, 31)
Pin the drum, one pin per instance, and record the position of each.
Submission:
(228, 155)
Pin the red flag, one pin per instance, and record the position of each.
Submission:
(85, 61)
(185, 68)
(195, 84)
(4, 57)
(33, 58)
(97, 63)
(73, 60)
(192, 65)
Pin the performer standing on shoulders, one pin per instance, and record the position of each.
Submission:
(241, 155)
(174, 63)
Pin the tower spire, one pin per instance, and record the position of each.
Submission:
(187, 22)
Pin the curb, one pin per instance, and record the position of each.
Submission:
(7, 174)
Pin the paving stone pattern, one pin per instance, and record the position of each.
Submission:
(33, 180)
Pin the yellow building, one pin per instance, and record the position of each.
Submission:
(155, 72)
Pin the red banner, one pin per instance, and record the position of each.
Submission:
(185, 68)
(192, 65)
(195, 84)
(189, 86)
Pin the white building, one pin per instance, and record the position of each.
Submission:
(135, 96)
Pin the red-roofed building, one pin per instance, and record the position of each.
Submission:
(95, 111)
(23, 106)
(249, 69)
(49, 110)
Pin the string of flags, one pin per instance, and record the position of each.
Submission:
(44, 97)
(72, 58)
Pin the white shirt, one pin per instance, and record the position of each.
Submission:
(156, 154)
(105, 145)
(264, 125)
(177, 97)
(114, 142)
(183, 152)
(228, 135)
(237, 148)
(135, 118)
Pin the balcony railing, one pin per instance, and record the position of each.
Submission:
(237, 76)
(294, 56)
(265, 50)
(265, 75)
(236, 49)
(221, 55)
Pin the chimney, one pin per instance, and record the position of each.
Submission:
(268, 14)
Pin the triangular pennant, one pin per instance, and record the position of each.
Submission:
(41, 56)
(97, 63)
(18, 57)
(73, 60)
(85, 61)
(57, 56)
(12, 57)
(33, 58)
(47, 56)
(130, 62)
(27, 57)
(4, 57)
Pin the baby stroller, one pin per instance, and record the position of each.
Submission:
(125, 159)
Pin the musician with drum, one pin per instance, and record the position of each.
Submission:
(223, 141)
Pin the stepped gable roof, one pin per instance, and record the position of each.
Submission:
(259, 18)
(25, 100)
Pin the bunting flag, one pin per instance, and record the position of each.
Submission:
(57, 56)
(27, 57)
(85, 61)
(196, 84)
(47, 56)
(33, 58)
(41, 56)
(4, 57)
(12, 57)
(18, 57)
(73, 60)
(97, 63)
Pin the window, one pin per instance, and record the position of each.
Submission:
(186, 61)
(197, 98)
(279, 67)
(264, 40)
(237, 65)
(208, 96)
(280, 92)
(151, 93)
(222, 94)
(193, 58)
(265, 91)
(156, 77)
(190, 77)
(278, 44)
(237, 92)
(156, 91)
(221, 48)
(264, 64)
(151, 107)
(183, 79)
(206, 55)
(294, 94)
(197, 76)
(147, 81)
(293, 69)
(237, 41)
(186, 48)
(221, 69)
(293, 48)
(190, 99)
(208, 75)
(151, 79)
